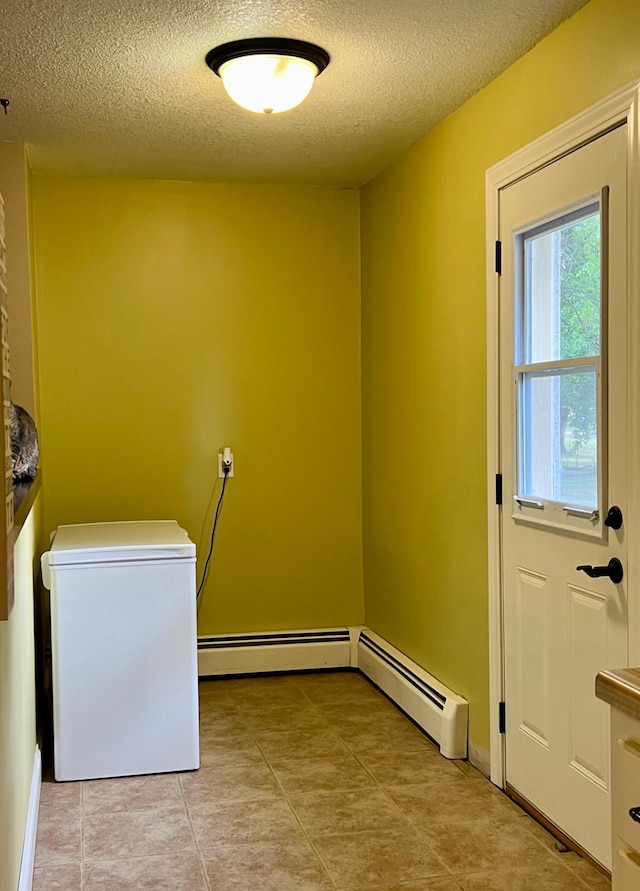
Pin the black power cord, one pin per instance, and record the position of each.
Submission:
(225, 470)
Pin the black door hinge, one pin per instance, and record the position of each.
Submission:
(502, 717)
(498, 488)
(499, 257)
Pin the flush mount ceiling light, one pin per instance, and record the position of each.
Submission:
(267, 74)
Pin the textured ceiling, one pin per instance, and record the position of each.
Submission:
(120, 87)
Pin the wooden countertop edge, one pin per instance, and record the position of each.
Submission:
(621, 689)
(24, 496)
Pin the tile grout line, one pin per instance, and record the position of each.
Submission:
(334, 730)
(285, 795)
(421, 836)
(194, 836)
(293, 810)
(404, 816)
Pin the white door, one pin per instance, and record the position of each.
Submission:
(563, 452)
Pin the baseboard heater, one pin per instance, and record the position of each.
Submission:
(440, 712)
(277, 651)
(436, 709)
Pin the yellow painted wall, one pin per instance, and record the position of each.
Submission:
(178, 318)
(423, 336)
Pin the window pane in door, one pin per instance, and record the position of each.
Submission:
(562, 290)
(558, 436)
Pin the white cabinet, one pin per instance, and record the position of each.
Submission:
(621, 689)
(625, 800)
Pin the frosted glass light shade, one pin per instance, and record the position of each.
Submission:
(268, 74)
(268, 83)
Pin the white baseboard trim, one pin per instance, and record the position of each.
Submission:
(436, 709)
(274, 651)
(480, 758)
(25, 881)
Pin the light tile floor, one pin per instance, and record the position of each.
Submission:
(307, 783)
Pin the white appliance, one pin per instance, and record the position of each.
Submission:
(123, 649)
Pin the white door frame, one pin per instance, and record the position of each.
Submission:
(622, 106)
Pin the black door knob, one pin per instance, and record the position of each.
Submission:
(614, 517)
(613, 570)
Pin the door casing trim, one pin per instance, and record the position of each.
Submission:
(621, 107)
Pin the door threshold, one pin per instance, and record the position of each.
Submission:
(554, 830)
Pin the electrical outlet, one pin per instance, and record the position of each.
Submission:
(225, 458)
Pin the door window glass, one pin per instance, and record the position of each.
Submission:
(562, 291)
(558, 355)
(558, 419)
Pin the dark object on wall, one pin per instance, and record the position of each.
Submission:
(24, 444)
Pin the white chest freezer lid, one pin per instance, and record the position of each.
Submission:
(115, 542)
